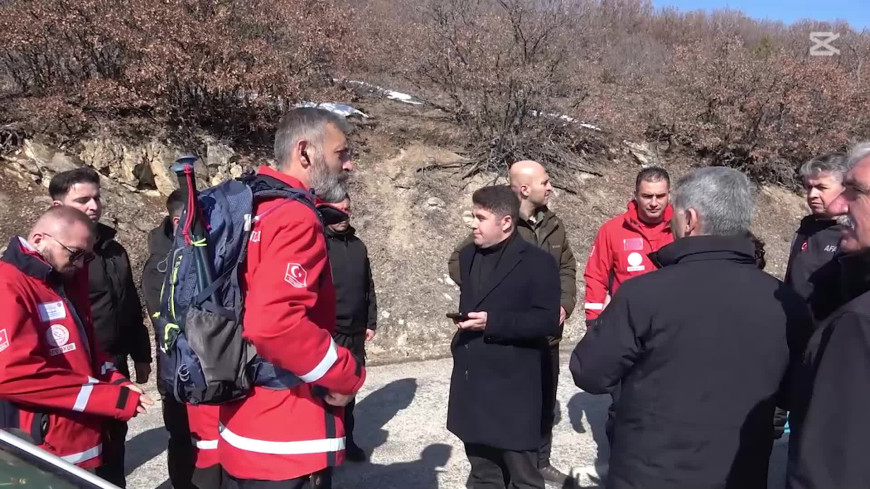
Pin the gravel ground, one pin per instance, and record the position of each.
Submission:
(401, 417)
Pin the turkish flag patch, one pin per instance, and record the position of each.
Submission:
(296, 275)
(4, 340)
(632, 244)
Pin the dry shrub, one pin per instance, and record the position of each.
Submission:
(229, 63)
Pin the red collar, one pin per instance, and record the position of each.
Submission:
(291, 181)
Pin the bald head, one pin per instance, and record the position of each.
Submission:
(529, 180)
(64, 237)
(58, 220)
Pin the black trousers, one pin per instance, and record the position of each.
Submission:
(550, 369)
(179, 456)
(356, 343)
(495, 468)
(207, 478)
(320, 480)
(114, 438)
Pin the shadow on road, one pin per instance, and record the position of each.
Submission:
(372, 414)
(143, 447)
(378, 408)
(594, 408)
(419, 474)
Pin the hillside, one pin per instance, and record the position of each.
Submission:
(410, 205)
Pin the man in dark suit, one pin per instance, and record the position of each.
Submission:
(509, 306)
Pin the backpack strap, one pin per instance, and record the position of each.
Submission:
(261, 189)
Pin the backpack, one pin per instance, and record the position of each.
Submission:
(203, 358)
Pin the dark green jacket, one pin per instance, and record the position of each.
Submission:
(549, 235)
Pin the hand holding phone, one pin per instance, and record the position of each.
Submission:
(457, 316)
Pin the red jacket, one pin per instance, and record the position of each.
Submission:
(203, 421)
(289, 318)
(57, 384)
(620, 251)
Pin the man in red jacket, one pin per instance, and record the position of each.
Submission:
(278, 438)
(55, 384)
(622, 246)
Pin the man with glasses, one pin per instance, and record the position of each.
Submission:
(56, 384)
(117, 312)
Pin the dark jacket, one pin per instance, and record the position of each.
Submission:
(118, 320)
(496, 386)
(701, 348)
(830, 433)
(356, 305)
(811, 264)
(547, 233)
(154, 271)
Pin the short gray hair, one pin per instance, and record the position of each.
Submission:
(858, 153)
(306, 123)
(834, 164)
(722, 197)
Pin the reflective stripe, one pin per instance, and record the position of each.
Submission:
(594, 306)
(204, 444)
(88, 454)
(282, 447)
(324, 365)
(107, 367)
(84, 395)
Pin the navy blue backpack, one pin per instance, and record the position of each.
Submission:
(203, 358)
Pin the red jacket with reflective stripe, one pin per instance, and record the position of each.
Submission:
(50, 368)
(620, 251)
(203, 421)
(289, 318)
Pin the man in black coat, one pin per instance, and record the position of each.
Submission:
(180, 455)
(830, 433)
(700, 347)
(356, 306)
(115, 305)
(817, 240)
(509, 305)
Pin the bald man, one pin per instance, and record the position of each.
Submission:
(540, 226)
(56, 386)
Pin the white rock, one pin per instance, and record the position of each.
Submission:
(385, 314)
(447, 296)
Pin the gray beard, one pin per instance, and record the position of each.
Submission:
(330, 187)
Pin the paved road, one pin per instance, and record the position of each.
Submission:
(402, 412)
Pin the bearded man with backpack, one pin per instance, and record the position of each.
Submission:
(277, 438)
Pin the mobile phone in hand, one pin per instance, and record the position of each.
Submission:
(457, 316)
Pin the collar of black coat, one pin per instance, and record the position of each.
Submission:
(855, 273)
(344, 235)
(105, 235)
(812, 224)
(23, 256)
(703, 248)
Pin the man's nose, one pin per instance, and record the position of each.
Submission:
(839, 206)
(348, 165)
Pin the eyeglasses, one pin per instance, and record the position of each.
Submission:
(74, 255)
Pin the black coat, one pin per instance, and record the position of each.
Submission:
(118, 321)
(701, 348)
(159, 245)
(356, 305)
(830, 434)
(812, 266)
(496, 386)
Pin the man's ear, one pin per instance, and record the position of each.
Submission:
(56, 203)
(506, 223)
(303, 149)
(693, 223)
